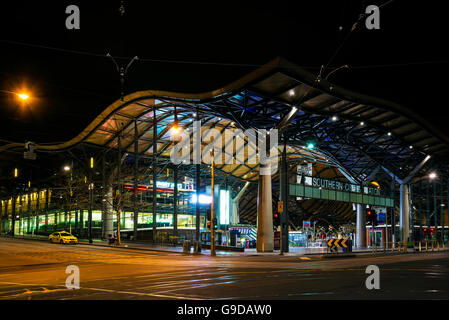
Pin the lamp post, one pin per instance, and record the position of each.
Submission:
(432, 177)
(68, 168)
(21, 95)
(212, 214)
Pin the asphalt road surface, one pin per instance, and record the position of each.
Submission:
(37, 270)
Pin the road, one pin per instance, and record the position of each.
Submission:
(36, 270)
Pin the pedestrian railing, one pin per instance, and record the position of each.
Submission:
(414, 246)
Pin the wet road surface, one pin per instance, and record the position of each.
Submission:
(36, 270)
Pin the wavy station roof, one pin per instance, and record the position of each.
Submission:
(355, 133)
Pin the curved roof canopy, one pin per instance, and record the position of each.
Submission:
(354, 132)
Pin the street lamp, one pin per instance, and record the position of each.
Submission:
(175, 129)
(66, 168)
(432, 175)
(21, 95)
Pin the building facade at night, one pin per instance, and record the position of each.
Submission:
(338, 152)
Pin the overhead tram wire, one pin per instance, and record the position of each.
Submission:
(220, 63)
(353, 28)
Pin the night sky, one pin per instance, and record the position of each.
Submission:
(406, 61)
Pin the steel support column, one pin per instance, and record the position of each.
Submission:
(404, 214)
(435, 191)
(81, 224)
(76, 223)
(264, 212)
(197, 161)
(13, 217)
(89, 213)
(46, 209)
(428, 204)
(36, 227)
(421, 216)
(442, 207)
(108, 201)
(447, 191)
(136, 164)
(103, 195)
(393, 215)
(411, 212)
(119, 202)
(154, 173)
(197, 205)
(360, 226)
(284, 198)
(175, 201)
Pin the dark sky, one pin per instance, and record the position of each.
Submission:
(406, 61)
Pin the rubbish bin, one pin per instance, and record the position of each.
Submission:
(186, 246)
(197, 247)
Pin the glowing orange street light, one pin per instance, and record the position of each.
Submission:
(22, 95)
(175, 129)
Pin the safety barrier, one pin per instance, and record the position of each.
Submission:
(416, 246)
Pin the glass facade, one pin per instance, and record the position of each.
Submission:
(40, 213)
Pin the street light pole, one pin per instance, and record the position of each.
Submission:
(70, 198)
(212, 215)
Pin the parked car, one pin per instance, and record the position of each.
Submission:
(62, 237)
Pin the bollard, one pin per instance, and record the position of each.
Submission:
(392, 247)
(427, 249)
(186, 246)
(432, 245)
(399, 247)
(420, 246)
(405, 246)
(197, 247)
(438, 246)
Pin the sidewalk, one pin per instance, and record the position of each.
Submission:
(146, 246)
(293, 251)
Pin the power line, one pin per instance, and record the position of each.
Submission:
(353, 28)
(216, 63)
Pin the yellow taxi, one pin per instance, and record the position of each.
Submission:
(62, 237)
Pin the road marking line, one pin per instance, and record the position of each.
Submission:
(142, 293)
(99, 289)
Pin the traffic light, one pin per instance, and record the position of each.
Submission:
(371, 216)
(208, 225)
(215, 223)
(428, 231)
(276, 219)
